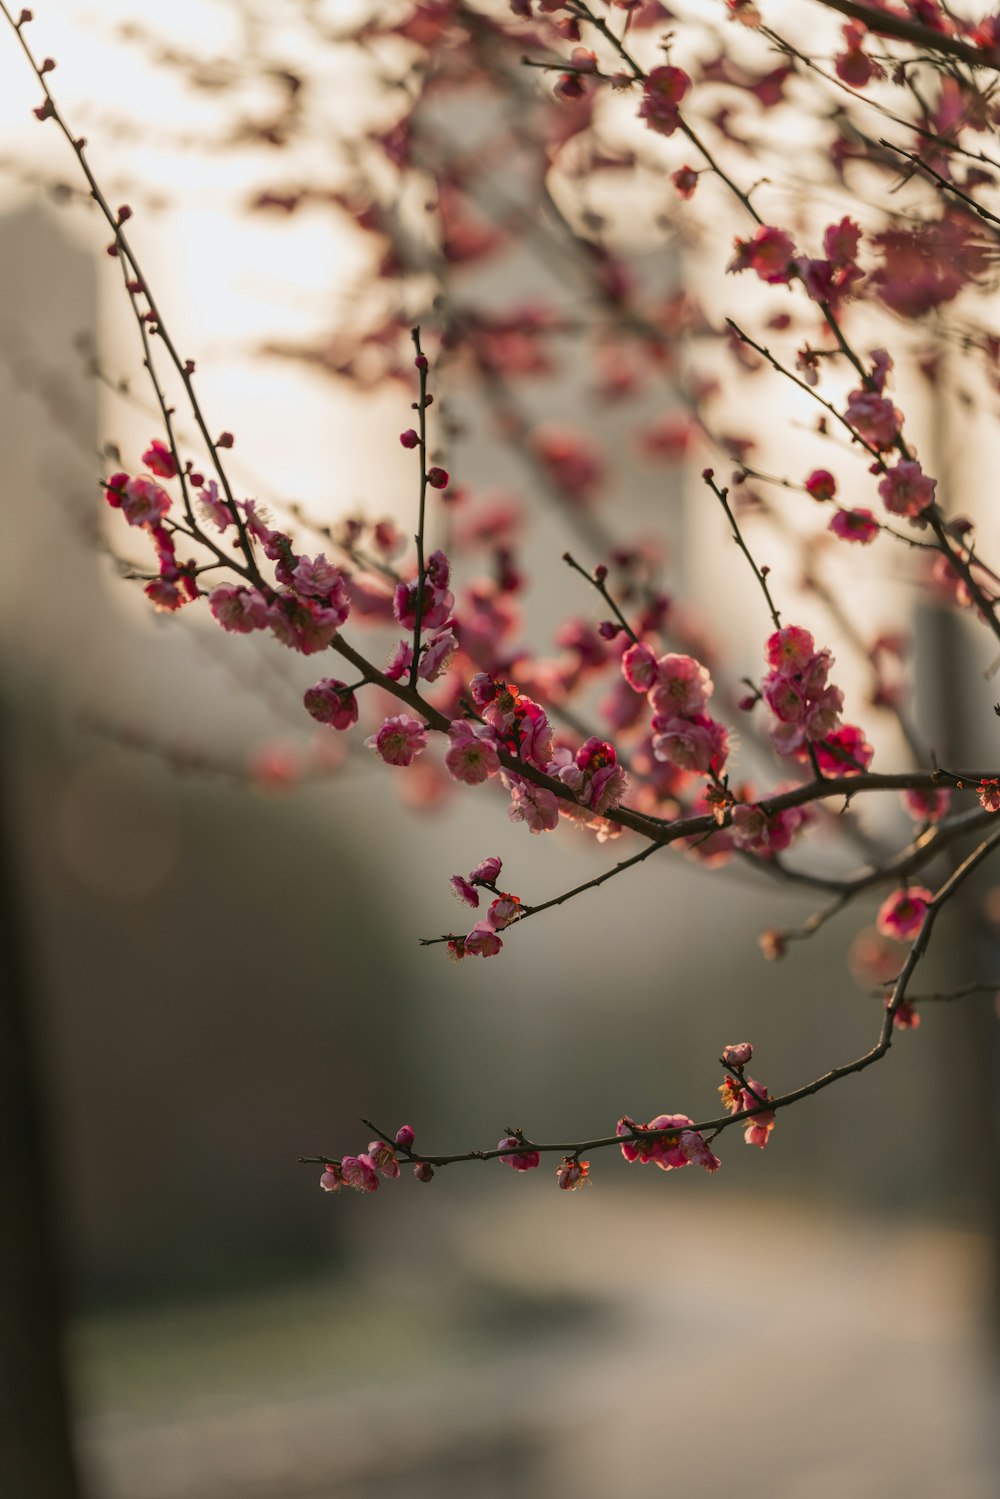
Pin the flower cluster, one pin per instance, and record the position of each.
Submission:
(806, 706)
(362, 1172)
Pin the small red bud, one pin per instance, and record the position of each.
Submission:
(409, 438)
(437, 478)
(197, 480)
(112, 249)
(47, 65)
(423, 1171)
(708, 474)
(608, 629)
(421, 362)
(600, 572)
(189, 366)
(44, 111)
(224, 440)
(24, 18)
(124, 213)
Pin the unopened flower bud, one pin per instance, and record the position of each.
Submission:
(404, 1136)
(423, 1171)
(608, 629)
(437, 478)
(409, 438)
(738, 1055)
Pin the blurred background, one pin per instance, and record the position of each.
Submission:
(209, 936)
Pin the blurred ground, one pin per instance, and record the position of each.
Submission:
(619, 1342)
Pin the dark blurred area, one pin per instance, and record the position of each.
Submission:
(207, 975)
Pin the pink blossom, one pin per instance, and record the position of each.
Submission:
(906, 489)
(488, 872)
(737, 1055)
(663, 90)
(505, 909)
(160, 460)
(697, 1152)
(399, 740)
(989, 795)
(533, 805)
(144, 502)
(821, 484)
(769, 253)
(573, 1173)
(333, 1177)
(239, 609)
(399, 663)
(214, 508)
(520, 1159)
(330, 702)
(790, 649)
(682, 686)
(845, 752)
(697, 743)
(764, 833)
(383, 1158)
(874, 418)
(304, 624)
(404, 1136)
(639, 667)
(437, 655)
(855, 525)
(671, 1151)
(165, 596)
(472, 753)
(358, 1171)
(483, 941)
(902, 914)
(928, 806)
(465, 891)
(320, 579)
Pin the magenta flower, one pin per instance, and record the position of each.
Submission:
(663, 91)
(399, 740)
(682, 686)
(902, 914)
(144, 502)
(855, 525)
(358, 1171)
(874, 418)
(472, 753)
(159, 460)
(482, 941)
(906, 489)
(239, 609)
(521, 1160)
(331, 702)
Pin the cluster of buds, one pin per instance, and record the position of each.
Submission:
(362, 1172)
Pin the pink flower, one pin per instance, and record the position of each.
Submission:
(790, 649)
(663, 90)
(855, 525)
(874, 418)
(737, 1055)
(682, 686)
(436, 656)
(821, 484)
(159, 460)
(214, 508)
(505, 909)
(845, 752)
(671, 1151)
(464, 890)
(482, 941)
(906, 489)
(902, 914)
(165, 596)
(685, 180)
(769, 253)
(144, 502)
(399, 740)
(989, 795)
(472, 753)
(383, 1158)
(639, 667)
(358, 1171)
(572, 1174)
(304, 624)
(929, 806)
(319, 579)
(488, 872)
(698, 743)
(331, 702)
(239, 609)
(533, 805)
(333, 1177)
(521, 1160)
